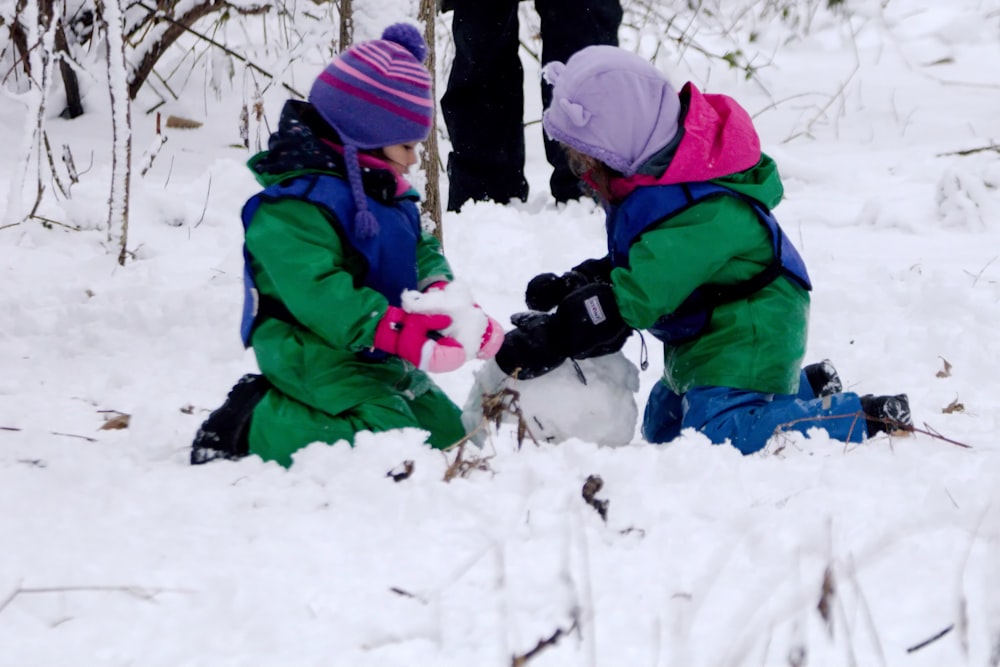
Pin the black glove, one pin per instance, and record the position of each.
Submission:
(546, 290)
(529, 350)
(596, 270)
(587, 323)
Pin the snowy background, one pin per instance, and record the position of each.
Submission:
(884, 118)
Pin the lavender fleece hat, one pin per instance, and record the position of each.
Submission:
(612, 105)
(376, 94)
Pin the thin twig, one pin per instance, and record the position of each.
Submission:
(930, 640)
(208, 193)
(50, 221)
(822, 111)
(971, 151)
(982, 271)
(74, 435)
(140, 592)
(937, 436)
(225, 49)
(521, 660)
(904, 428)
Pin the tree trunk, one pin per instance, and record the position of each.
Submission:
(74, 103)
(429, 159)
(346, 24)
(47, 10)
(121, 122)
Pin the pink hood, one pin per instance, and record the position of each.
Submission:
(719, 139)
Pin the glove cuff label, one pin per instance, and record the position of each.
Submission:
(594, 310)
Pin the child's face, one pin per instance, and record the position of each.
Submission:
(400, 157)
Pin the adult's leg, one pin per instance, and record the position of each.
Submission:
(483, 105)
(748, 418)
(567, 27)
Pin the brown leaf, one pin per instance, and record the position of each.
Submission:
(825, 604)
(594, 484)
(946, 371)
(117, 422)
(180, 123)
(953, 407)
(188, 409)
(400, 475)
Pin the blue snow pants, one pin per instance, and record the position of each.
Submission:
(749, 418)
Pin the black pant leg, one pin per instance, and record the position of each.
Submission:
(567, 27)
(483, 105)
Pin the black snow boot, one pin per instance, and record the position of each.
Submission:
(887, 414)
(224, 435)
(823, 378)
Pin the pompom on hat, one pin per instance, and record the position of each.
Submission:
(376, 94)
(613, 105)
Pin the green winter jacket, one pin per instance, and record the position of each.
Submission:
(299, 258)
(755, 344)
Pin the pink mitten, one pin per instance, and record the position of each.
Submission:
(492, 339)
(416, 337)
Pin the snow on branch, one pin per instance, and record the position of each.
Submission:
(165, 22)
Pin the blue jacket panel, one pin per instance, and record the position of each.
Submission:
(388, 254)
(649, 206)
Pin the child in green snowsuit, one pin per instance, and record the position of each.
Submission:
(332, 243)
(696, 258)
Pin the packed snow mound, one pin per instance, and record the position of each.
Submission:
(595, 404)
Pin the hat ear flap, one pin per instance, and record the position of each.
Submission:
(553, 71)
(575, 112)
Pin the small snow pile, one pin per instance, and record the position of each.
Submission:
(596, 404)
(964, 200)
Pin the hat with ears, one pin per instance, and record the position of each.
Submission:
(613, 105)
(376, 94)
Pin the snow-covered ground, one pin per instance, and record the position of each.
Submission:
(116, 552)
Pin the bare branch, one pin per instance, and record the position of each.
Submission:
(181, 25)
(521, 660)
(972, 151)
(930, 640)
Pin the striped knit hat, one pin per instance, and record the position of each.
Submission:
(376, 94)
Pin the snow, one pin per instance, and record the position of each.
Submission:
(117, 552)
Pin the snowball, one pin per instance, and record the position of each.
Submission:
(468, 322)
